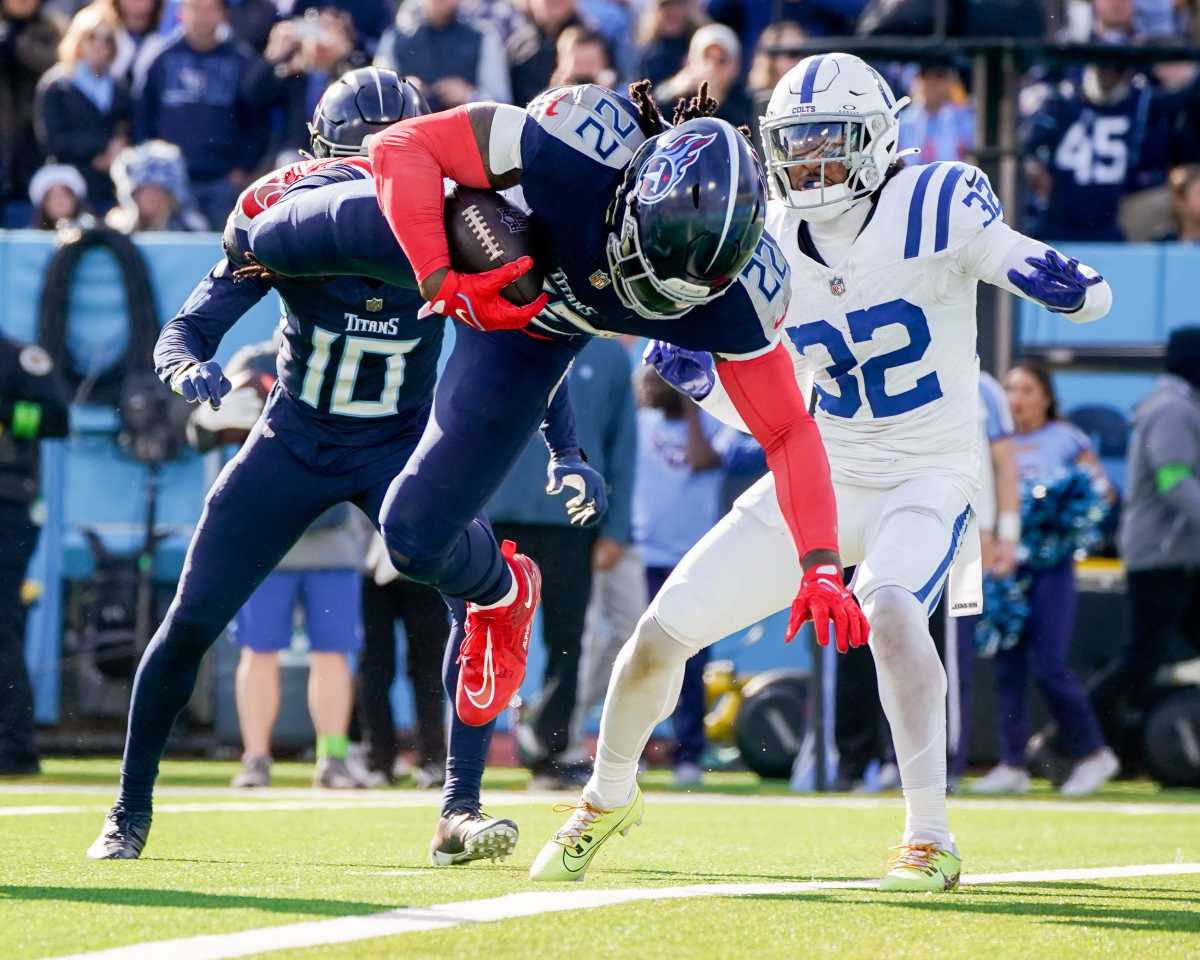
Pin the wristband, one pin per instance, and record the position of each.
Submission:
(1008, 526)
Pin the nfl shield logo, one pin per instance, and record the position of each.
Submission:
(837, 286)
(375, 304)
(599, 280)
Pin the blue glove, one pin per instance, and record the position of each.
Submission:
(591, 501)
(200, 382)
(1055, 282)
(691, 372)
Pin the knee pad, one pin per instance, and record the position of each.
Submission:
(651, 649)
(894, 614)
(900, 631)
(422, 563)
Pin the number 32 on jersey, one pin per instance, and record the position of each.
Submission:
(870, 378)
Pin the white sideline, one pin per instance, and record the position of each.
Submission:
(314, 933)
(305, 799)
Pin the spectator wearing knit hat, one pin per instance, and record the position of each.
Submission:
(82, 113)
(57, 192)
(152, 190)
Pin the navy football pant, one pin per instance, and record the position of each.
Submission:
(491, 397)
(263, 501)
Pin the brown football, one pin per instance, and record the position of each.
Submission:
(485, 231)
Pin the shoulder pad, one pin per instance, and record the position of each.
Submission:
(767, 281)
(268, 189)
(942, 205)
(593, 120)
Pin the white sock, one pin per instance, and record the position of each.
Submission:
(912, 689)
(508, 598)
(644, 688)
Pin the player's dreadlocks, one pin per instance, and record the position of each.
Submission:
(651, 120)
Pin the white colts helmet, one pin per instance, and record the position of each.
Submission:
(830, 108)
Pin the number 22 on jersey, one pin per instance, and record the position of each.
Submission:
(870, 377)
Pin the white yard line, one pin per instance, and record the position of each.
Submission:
(313, 933)
(301, 798)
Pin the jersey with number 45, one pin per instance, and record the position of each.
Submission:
(888, 335)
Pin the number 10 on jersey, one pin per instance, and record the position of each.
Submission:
(341, 400)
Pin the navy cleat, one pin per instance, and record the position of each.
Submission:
(466, 835)
(123, 837)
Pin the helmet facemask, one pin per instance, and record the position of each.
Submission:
(636, 285)
(322, 147)
(852, 147)
(634, 280)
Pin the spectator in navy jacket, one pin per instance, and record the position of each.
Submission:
(532, 50)
(82, 112)
(207, 93)
(28, 48)
(602, 396)
(664, 31)
(454, 61)
(138, 21)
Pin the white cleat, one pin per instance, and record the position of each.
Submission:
(1091, 773)
(1002, 779)
(467, 835)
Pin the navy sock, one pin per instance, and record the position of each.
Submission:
(166, 678)
(467, 747)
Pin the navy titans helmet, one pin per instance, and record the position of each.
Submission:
(688, 217)
(358, 103)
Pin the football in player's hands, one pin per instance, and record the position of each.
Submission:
(484, 232)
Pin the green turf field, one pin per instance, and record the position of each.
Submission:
(291, 855)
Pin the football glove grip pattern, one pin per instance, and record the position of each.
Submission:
(201, 382)
(1057, 283)
(591, 499)
(825, 600)
(691, 372)
(474, 298)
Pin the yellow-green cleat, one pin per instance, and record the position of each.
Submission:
(922, 868)
(569, 852)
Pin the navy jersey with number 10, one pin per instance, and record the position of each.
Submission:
(355, 359)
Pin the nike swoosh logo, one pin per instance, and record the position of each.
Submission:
(528, 591)
(552, 110)
(970, 181)
(489, 679)
(570, 857)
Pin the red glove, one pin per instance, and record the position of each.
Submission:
(823, 597)
(474, 298)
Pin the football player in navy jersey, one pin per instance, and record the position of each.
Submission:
(650, 229)
(357, 368)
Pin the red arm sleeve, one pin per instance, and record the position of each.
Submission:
(765, 392)
(410, 159)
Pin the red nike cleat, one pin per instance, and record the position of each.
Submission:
(491, 660)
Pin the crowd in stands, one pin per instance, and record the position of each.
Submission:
(190, 99)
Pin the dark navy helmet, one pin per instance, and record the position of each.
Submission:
(688, 218)
(358, 103)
